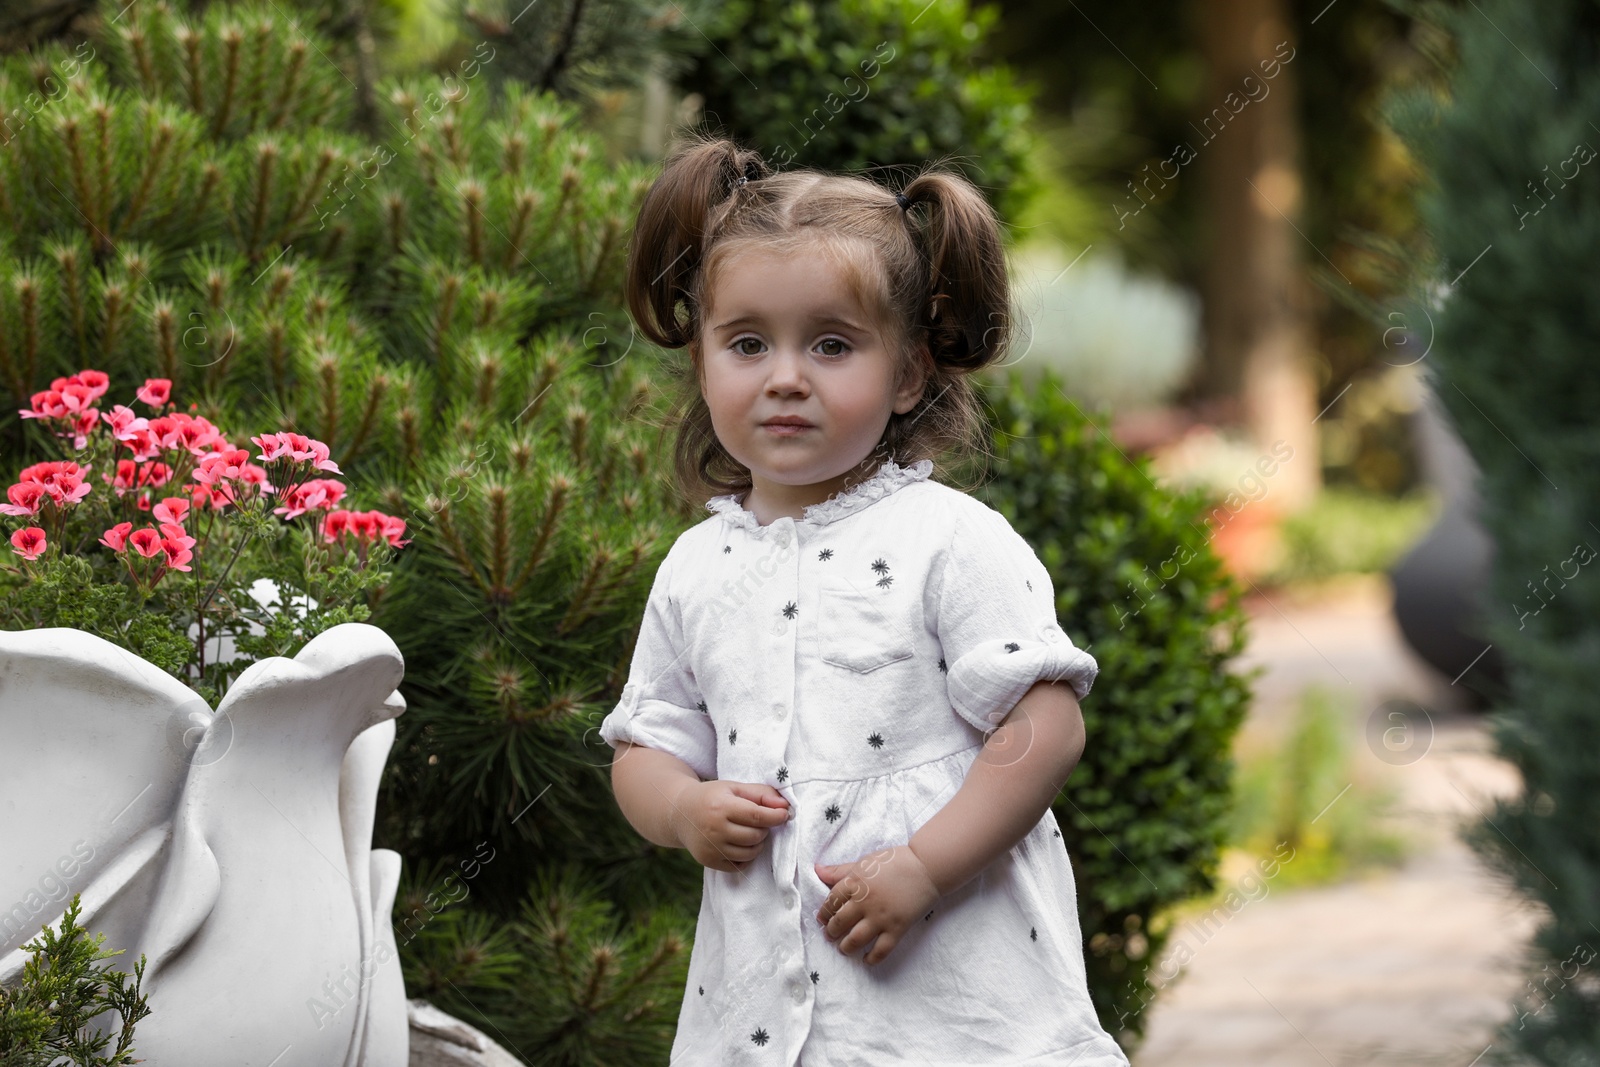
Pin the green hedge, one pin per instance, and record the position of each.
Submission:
(862, 83)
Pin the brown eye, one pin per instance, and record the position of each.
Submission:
(843, 348)
(738, 345)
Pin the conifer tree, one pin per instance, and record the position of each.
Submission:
(1508, 291)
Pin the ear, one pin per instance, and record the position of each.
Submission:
(906, 397)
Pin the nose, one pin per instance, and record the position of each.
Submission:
(786, 374)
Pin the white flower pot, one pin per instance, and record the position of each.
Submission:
(232, 848)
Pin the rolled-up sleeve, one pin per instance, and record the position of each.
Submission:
(661, 705)
(997, 623)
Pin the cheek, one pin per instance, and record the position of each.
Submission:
(862, 397)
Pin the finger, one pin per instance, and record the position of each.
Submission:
(742, 853)
(885, 945)
(752, 813)
(744, 836)
(755, 792)
(844, 917)
(858, 935)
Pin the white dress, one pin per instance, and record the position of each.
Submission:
(856, 660)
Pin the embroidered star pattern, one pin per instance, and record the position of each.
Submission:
(1033, 933)
(879, 566)
(1012, 646)
(825, 554)
(727, 548)
(783, 774)
(1030, 587)
(942, 668)
(759, 1037)
(928, 916)
(733, 735)
(833, 813)
(790, 610)
(814, 977)
(702, 991)
(701, 704)
(876, 740)
(885, 581)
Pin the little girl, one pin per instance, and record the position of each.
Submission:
(846, 699)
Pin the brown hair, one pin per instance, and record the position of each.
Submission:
(933, 274)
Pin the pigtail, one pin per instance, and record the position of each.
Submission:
(682, 207)
(966, 312)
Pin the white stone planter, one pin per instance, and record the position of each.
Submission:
(233, 848)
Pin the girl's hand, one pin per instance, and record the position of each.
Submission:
(877, 896)
(723, 824)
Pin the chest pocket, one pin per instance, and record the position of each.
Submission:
(860, 629)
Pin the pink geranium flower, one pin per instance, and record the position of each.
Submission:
(335, 525)
(124, 423)
(83, 424)
(29, 543)
(25, 499)
(392, 528)
(197, 434)
(217, 466)
(178, 556)
(132, 475)
(298, 447)
(176, 544)
(318, 494)
(45, 405)
(202, 496)
(156, 392)
(173, 509)
(256, 475)
(76, 397)
(95, 382)
(364, 526)
(116, 538)
(61, 479)
(146, 542)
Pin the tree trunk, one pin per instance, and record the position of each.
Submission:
(1256, 316)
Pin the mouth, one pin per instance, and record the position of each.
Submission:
(787, 424)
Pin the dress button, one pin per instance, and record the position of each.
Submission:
(797, 990)
(790, 898)
(780, 709)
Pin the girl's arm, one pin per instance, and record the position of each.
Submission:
(1023, 765)
(647, 782)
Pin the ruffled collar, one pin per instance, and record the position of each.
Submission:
(886, 479)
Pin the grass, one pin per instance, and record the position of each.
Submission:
(1346, 531)
(1306, 795)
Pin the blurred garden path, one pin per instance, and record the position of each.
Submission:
(1416, 965)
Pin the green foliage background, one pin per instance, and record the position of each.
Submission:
(864, 84)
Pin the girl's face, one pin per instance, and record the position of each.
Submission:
(784, 336)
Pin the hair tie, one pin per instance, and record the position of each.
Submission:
(900, 198)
